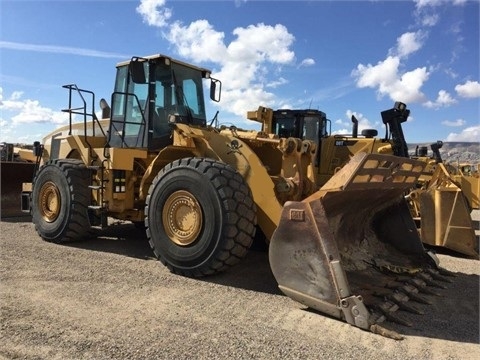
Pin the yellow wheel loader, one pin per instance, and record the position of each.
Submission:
(436, 200)
(349, 249)
(468, 176)
(443, 202)
(17, 166)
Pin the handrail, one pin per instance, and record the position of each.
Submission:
(83, 110)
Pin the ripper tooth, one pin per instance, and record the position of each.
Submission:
(422, 287)
(446, 272)
(415, 296)
(428, 279)
(401, 301)
(380, 330)
(386, 309)
(437, 276)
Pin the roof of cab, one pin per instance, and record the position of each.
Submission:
(157, 56)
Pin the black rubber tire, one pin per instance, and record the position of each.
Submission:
(69, 222)
(227, 210)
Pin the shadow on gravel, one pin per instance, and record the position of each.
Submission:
(124, 238)
(121, 239)
(449, 252)
(251, 273)
(453, 316)
(17, 219)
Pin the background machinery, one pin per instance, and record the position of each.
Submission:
(17, 166)
(436, 200)
(468, 177)
(202, 191)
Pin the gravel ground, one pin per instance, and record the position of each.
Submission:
(107, 298)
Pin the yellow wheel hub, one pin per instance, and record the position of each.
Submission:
(182, 218)
(50, 201)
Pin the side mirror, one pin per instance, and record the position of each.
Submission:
(37, 149)
(137, 70)
(105, 108)
(215, 93)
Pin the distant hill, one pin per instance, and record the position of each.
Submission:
(464, 152)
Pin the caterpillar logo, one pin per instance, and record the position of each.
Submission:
(344, 142)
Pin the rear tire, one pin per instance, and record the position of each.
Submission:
(60, 201)
(200, 216)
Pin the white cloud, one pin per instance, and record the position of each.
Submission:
(434, 3)
(456, 123)
(60, 50)
(387, 79)
(265, 42)
(32, 112)
(16, 95)
(307, 62)
(29, 111)
(363, 122)
(408, 43)
(425, 3)
(154, 13)
(427, 13)
(276, 83)
(430, 20)
(471, 89)
(347, 124)
(239, 101)
(11, 105)
(251, 53)
(382, 74)
(199, 41)
(444, 99)
(451, 73)
(468, 134)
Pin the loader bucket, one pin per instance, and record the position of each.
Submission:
(13, 174)
(352, 249)
(445, 218)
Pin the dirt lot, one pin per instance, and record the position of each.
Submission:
(107, 298)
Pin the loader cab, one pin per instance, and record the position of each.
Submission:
(304, 124)
(153, 93)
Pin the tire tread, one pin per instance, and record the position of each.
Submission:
(240, 225)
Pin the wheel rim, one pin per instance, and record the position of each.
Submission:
(49, 204)
(182, 218)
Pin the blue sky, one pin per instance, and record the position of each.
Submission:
(341, 57)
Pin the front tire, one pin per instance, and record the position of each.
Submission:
(200, 216)
(60, 201)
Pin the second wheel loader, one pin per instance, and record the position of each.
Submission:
(349, 249)
(436, 200)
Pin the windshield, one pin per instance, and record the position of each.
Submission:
(178, 92)
(310, 128)
(286, 127)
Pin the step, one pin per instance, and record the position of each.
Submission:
(95, 207)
